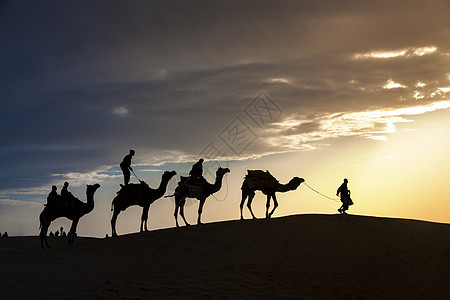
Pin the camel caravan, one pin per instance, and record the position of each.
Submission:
(193, 186)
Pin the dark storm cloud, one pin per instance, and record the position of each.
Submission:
(82, 82)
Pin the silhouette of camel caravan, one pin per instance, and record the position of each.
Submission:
(73, 212)
(258, 180)
(198, 188)
(138, 194)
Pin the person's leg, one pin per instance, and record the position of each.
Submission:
(345, 206)
(126, 175)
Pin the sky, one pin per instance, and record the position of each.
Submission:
(323, 90)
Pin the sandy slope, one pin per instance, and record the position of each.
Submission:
(305, 256)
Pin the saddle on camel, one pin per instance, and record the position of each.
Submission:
(260, 179)
(194, 184)
(132, 188)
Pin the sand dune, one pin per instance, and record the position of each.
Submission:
(304, 256)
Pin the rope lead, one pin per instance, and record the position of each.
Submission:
(334, 199)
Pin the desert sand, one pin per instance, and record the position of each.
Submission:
(301, 257)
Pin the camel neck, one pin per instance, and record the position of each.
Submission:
(285, 187)
(218, 183)
(162, 186)
(90, 201)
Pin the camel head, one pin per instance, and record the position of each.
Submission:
(296, 181)
(168, 175)
(222, 171)
(91, 189)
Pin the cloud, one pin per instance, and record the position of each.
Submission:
(13, 202)
(408, 52)
(390, 84)
(278, 80)
(121, 111)
(375, 125)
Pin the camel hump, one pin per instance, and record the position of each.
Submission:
(260, 179)
(260, 174)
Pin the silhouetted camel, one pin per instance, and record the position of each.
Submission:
(268, 185)
(74, 213)
(186, 189)
(138, 194)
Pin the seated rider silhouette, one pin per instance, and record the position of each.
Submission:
(125, 165)
(197, 169)
(195, 175)
(53, 197)
(67, 196)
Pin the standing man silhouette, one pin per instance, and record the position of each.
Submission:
(125, 165)
(344, 193)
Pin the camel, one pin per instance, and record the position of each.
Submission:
(199, 189)
(72, 212)
(138, 194)
(257, 180)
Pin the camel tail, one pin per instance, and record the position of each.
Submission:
(112, 204)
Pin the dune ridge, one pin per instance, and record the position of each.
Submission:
(301, 256)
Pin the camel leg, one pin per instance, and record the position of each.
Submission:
(177, 205)
(73, 231)
(113, 221)
(144, 218)
(200, 210)
(275, 202)
(244, 196)
(249, 203)
(44, 230)
(43, 235)
(176, 215)
(268, 205)
(182, 211)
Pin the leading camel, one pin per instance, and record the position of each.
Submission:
(257, 180)
(138, 194)
(199, 189)
(72, 211)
